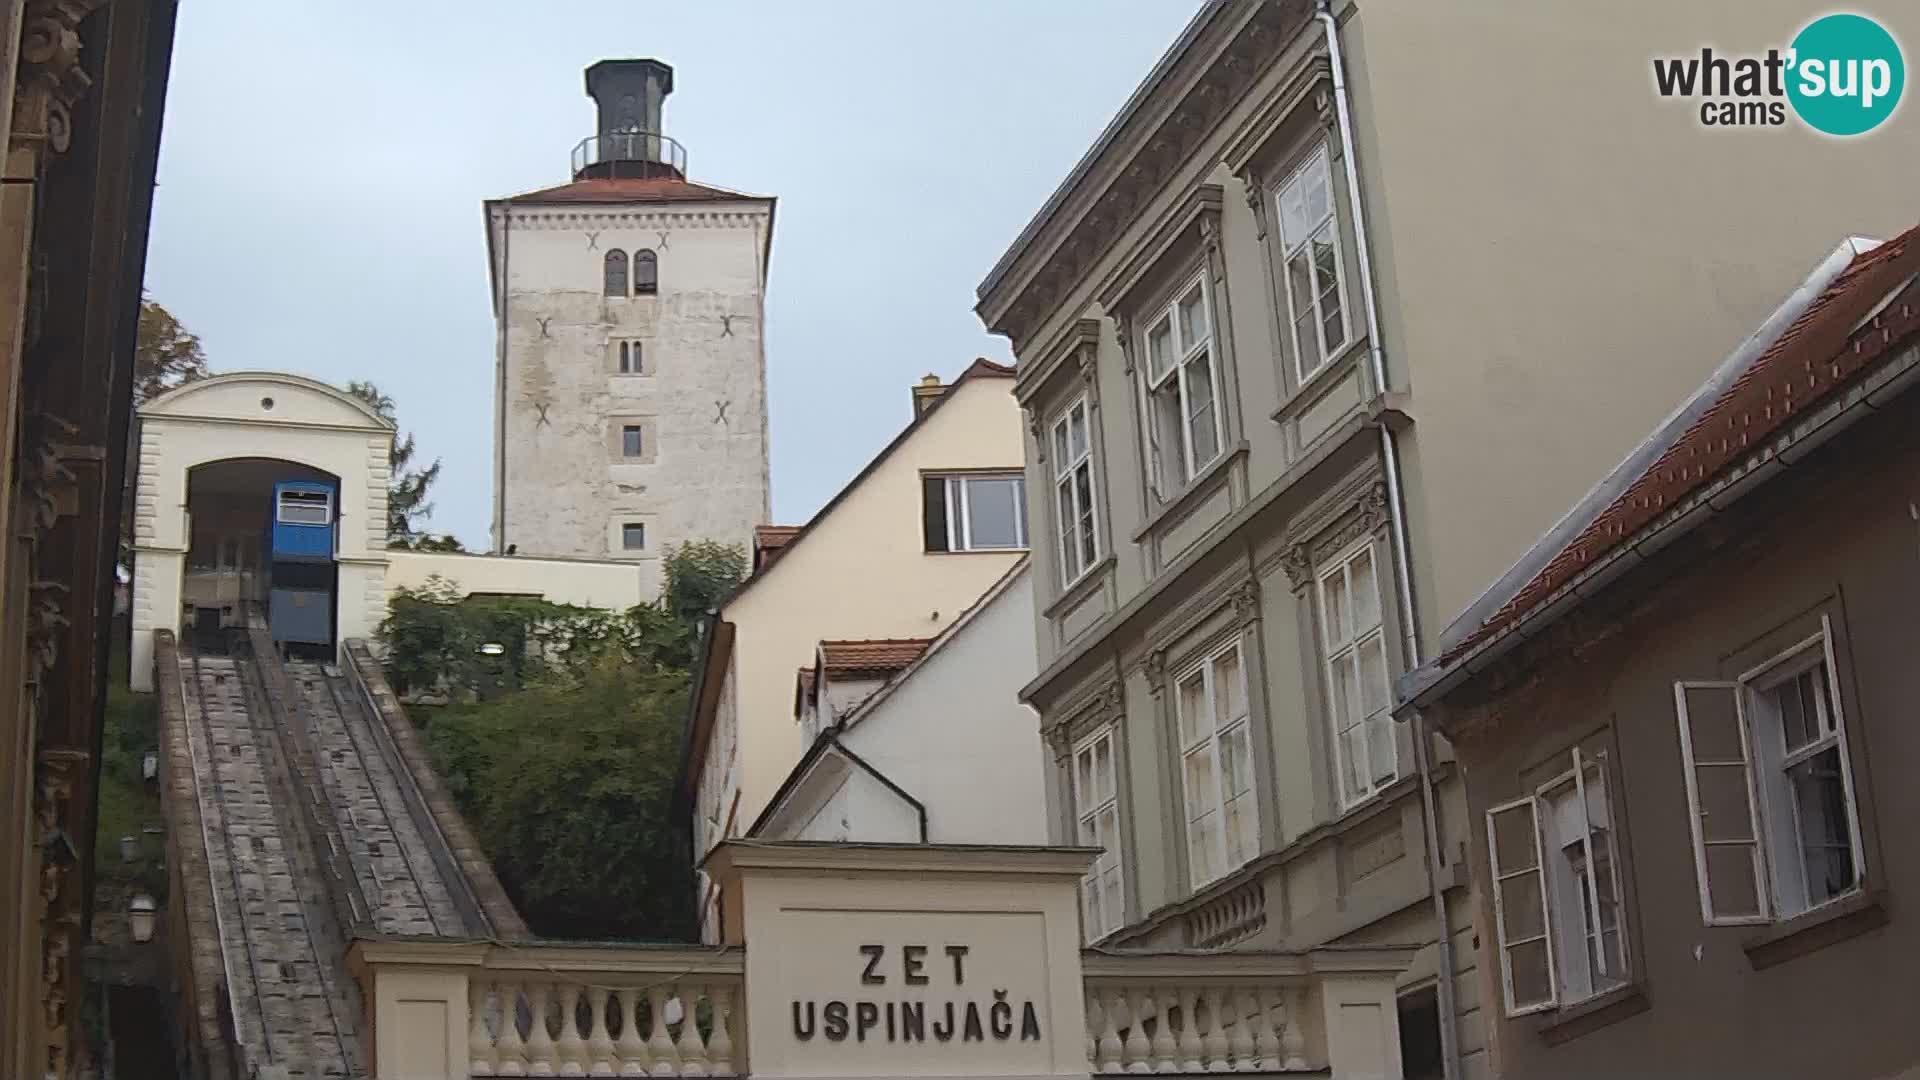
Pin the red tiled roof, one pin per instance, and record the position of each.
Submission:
(773, 537)
(876, 655)
(625, 189)
(1814, 356)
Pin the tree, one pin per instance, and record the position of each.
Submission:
(407, 490)
(700, 576)
(165, 354)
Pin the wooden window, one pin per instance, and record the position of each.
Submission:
(1520, 906)
(1359, 687)
(1073, 481)
(975, 512)
(1182, 385)
(1774, 817)
(1216, 770)
(1310, 248)
(646, 273)
(614, 273)
(1096, 807)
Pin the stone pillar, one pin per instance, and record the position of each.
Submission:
(1361, 1022)
(416, 995)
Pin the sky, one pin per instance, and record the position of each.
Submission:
(322, 167)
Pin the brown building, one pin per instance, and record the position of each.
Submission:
(82, 85)
(1686, 723)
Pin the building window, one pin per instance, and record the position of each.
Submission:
(975, 512)
(615, 273)
(305, 507)
(1310, 247)
(1775, 820)
(1073, 492)
(631, 358)
(1355, 640)
(1216, 771)
(1096, 808)
(1182, 381)
(633, 536)
(1556, 891)
(646, 273)
(630, 443)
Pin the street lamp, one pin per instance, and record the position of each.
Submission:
(493, 648)
(140, 917)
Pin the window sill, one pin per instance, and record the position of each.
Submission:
(980, 551)
(1082, 587)
(1200, 485)
(1828, 924)
(1330, 372)
(1596, 1012)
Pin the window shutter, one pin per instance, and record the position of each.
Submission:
(1520, 906)
(1716, 753)
(933, 511)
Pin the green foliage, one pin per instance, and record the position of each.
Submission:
(567, 783)
(700, 575)
(128, 803)
(407, 491)
(165, 354)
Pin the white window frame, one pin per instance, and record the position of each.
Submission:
(1208, 742)
(1075, 562)
(1324, 354)
(1183, 354)
(1087, 809)
(304, 501)
(1773, 826)
(1504, 941)
(959, 525)
(1333, 652)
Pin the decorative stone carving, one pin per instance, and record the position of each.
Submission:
(1089, 362)
(50, 79)
(59, 770)
(1123, 334)
(1256, 193)
(1156, 668)
(1033, 429)
(1297, 561)
(1375, 508)
(1113, 700)
(1246, 603)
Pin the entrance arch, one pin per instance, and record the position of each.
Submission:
(207, 450)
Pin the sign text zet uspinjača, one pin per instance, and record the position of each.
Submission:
(960, 1014)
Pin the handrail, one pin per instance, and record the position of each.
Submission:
(608, 146)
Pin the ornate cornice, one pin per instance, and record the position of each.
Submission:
(1142, 173)
(50, 79)
(523, 219)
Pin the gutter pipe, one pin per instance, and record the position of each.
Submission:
(1403, 576)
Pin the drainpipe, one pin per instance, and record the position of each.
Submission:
(1403, 574)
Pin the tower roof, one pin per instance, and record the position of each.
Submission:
(631, 189)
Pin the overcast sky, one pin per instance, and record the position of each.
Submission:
(323, 166)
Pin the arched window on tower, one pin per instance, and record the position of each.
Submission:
(646, 273)
(616, 273)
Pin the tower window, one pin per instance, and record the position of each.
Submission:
(631, 359)
(633, 536)
(615, 273)
(646, 273)
(630, 445)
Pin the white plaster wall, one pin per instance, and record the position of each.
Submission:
(863, 810)
(564, 492)
(229, 416)
(861, 572)
(955, 735)
(614, 586)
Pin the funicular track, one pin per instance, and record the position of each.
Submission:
(288, 1005)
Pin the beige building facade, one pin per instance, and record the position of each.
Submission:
(1322, 332)
(898, 555)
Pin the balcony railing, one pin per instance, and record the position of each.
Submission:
(541, 1009)
(612, 147)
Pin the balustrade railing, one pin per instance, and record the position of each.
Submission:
(1198, 1013)
(562, 1025)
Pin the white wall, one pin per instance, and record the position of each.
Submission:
(862, 572)
(614, 586)
(256, 415)
(565, 491)
(955, 736)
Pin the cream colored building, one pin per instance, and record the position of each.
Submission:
(1339, 314)
(630, 394)
(899, 554)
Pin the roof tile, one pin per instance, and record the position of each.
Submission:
(872, 655)
(623, 189)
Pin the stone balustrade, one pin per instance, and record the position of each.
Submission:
(446, 1009)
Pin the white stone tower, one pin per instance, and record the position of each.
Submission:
(630, 380)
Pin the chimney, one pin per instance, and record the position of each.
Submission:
(926, 393)
(629, 139)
